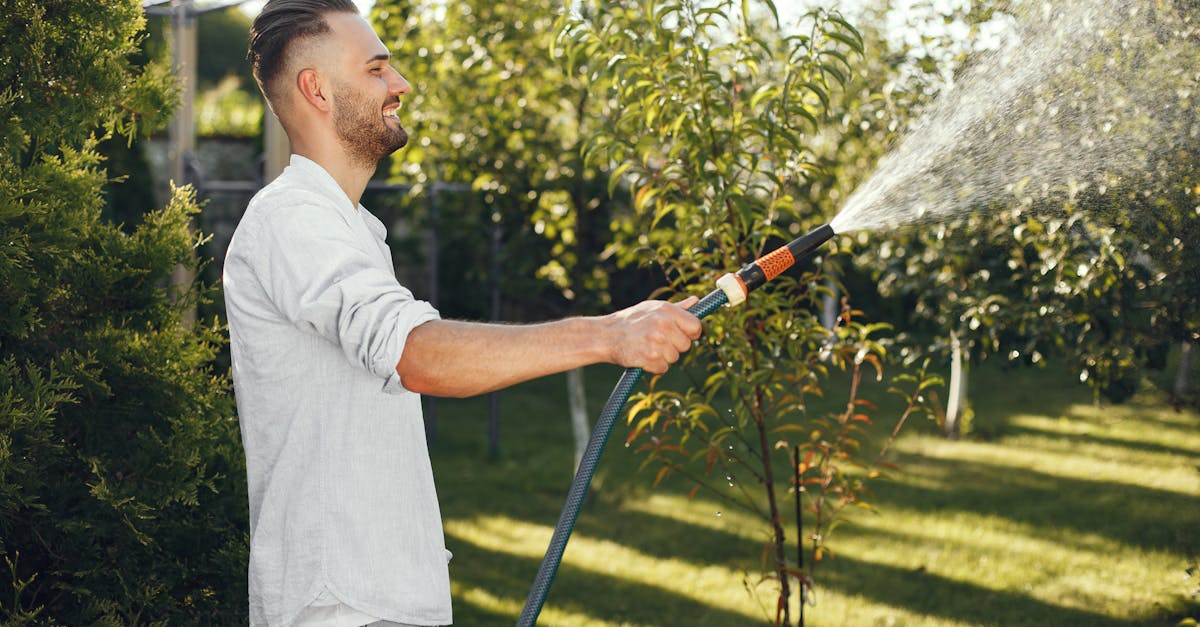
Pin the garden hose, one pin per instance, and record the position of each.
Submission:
(731, 289)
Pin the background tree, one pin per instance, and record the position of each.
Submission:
(491, 109)
(121, 490)
(1070, 258)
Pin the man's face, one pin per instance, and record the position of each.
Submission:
(366, 92)
(367, 133)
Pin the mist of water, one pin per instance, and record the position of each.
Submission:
(1082, 95)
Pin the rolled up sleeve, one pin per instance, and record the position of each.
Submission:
(321, 278)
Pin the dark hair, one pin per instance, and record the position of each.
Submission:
(281, 23)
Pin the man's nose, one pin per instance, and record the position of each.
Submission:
(399, 85)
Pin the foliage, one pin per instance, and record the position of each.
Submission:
(711, 110)
(491, 109)
(228, 109)
(120, 470)
(1091, 269)
(227, 100)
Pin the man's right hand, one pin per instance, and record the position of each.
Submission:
(651, 335)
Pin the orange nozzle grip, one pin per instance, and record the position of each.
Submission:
(775, 262)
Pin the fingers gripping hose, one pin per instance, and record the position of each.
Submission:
(732, 289)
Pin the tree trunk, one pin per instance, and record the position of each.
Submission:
(578, 406)
(829, 305)
(1187, 356)
(957, 402)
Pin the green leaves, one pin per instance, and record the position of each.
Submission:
(711, 125)
(120, 463)
(503, 94)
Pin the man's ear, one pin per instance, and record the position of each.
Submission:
(312, 88)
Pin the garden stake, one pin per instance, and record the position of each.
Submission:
(731, 289)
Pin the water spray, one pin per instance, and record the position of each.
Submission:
(732, 289)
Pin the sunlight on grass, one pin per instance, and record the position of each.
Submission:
(509, 606)
(1110, 451)
(699, 512)
(1056, 560)
(1056, 566)
(831, 607)
(705, 584)
(1056, 512)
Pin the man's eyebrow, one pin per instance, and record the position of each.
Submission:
(382, 56)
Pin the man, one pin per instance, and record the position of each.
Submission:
(330, 352)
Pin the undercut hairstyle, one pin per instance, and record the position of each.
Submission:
(280, 26)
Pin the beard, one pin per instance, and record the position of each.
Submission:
(362, 130)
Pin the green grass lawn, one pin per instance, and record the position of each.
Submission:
(1057, 512)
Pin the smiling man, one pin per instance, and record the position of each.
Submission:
(330, 352)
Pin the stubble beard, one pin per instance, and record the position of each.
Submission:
(362, 131)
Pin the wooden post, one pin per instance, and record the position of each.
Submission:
(183, 58)
(577, 401)
(494, 397)
(1183, 376)
(183, 125)
(431, 417)
(956, 404)
(277, 149)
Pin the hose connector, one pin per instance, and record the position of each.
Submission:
(735, 290)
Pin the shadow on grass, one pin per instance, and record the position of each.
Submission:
(530, 480)
(897, 587)
(1136, 516)
(901, 587)
(1088, 438)
(591, 596)
(662, 537)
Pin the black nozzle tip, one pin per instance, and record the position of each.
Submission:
(805, 244)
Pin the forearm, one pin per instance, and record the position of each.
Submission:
(455, 359)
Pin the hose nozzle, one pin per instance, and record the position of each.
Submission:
(771, 265)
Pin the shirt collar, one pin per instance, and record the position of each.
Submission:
(317, 176)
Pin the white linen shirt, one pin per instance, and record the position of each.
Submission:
(342, 499)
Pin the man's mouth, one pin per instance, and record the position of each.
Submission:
(392, 112)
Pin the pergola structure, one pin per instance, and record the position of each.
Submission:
(183, 14)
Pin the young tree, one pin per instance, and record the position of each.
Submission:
(712, 113)
(121, 480)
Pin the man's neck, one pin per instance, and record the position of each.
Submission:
(351, 177)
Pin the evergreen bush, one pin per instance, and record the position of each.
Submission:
(121, 478)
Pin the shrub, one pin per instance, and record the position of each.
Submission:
(121, 477)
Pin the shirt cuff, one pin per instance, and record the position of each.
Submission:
(393, 385)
